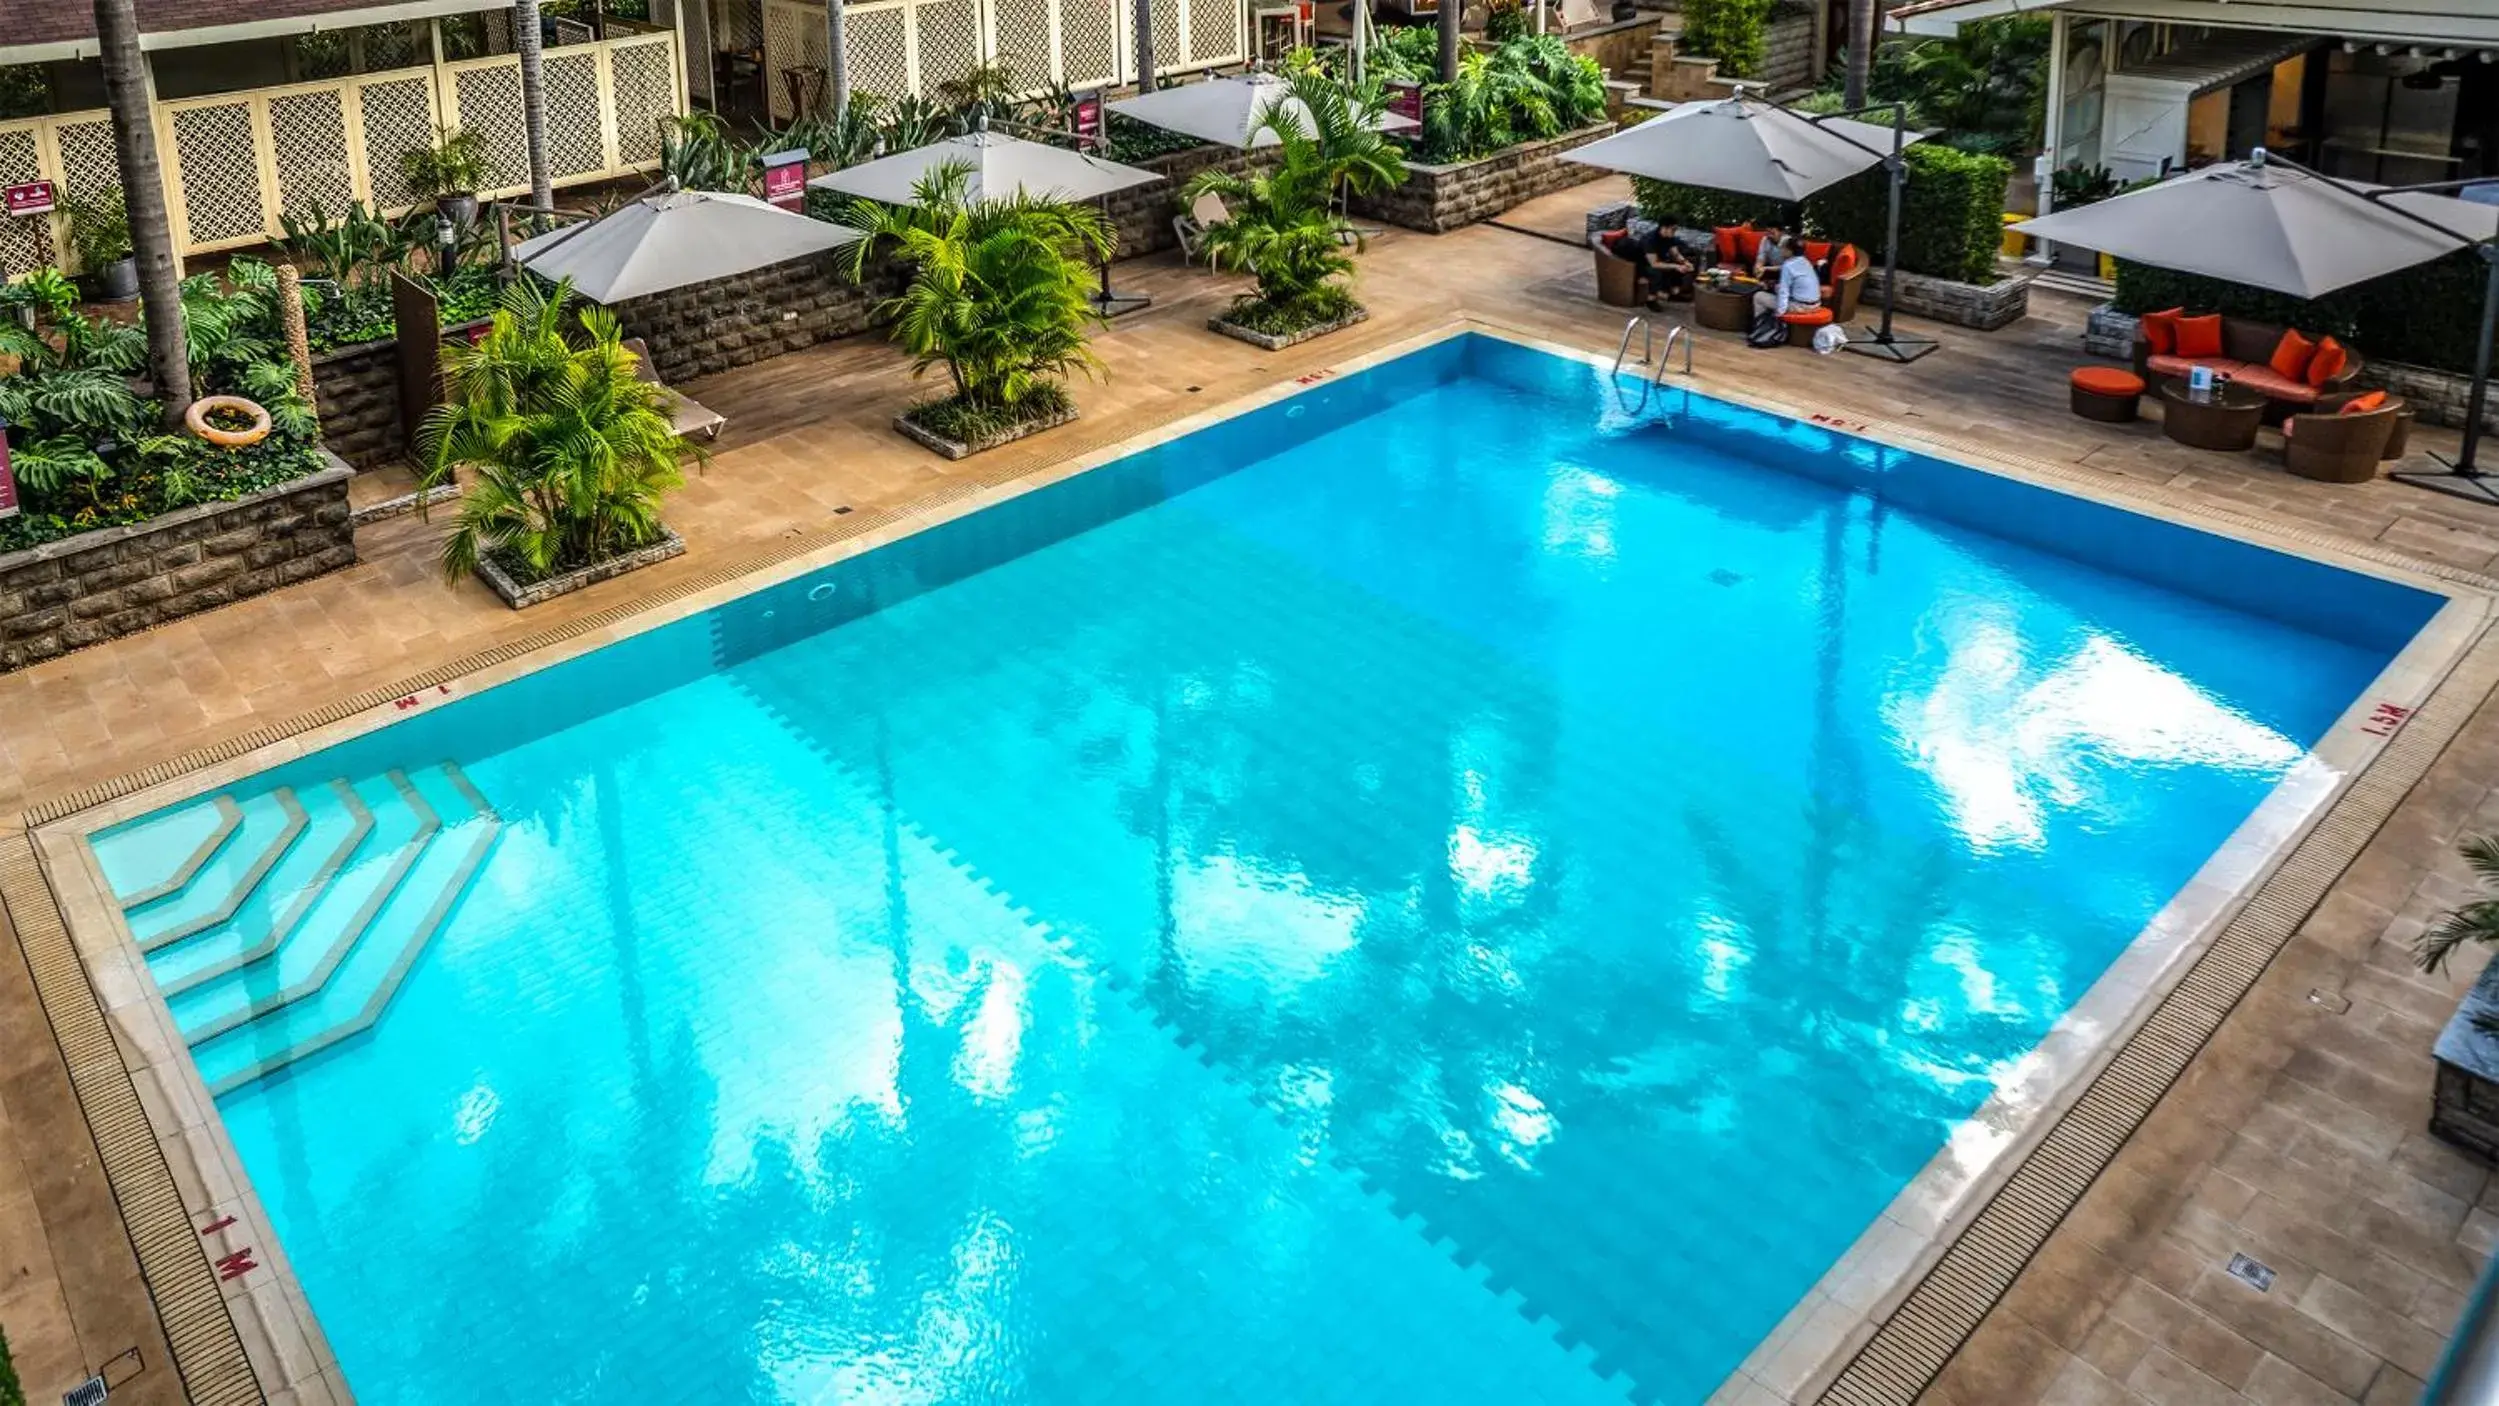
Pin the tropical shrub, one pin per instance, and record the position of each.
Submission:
(99, 229)
(1701, 207)
(698, 153)
(1983, 88)
(2476, 922)
(1281, 226)
(1733, 32)
(11, 1394)
(1528, 88)
(998, 293)
(1951, 212)
(570, 452)
(455, 164)
(2428, 315)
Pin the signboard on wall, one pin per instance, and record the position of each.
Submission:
(785, 179)
(30, 198)
(1406, 100)
(1089, 117)
(8, 482)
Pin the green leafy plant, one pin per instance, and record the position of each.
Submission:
(24, 91)
(998, 291)
(11, 1394)
(1701, 207)
(1505, 20)
(353, 247)
(2428, 315)
(697, 152)
(844, 141)
(2474, 923)
(1981, 89)
(1281, 224)
(1734, 32)
(915, 121)
(2075, 185)
(571, 453)
(99, 228)
(1525, 89)
(455, 164)
(983, 90)
(1951, 213)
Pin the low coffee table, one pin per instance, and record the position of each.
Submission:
(1730, 310)
(2224, 419)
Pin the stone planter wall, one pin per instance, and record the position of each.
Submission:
(707, 328)
(522, 597)
(1437, 199)
(1620, 47)
(2464, 1103)
(2110, 333)
(1787, 55)
(357, 391)
(2437, 397)
(84, 590)
(1985, 306)
(1142, 214)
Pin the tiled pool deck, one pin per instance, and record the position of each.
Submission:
(2293, 1135)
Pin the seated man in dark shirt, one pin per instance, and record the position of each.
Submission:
(1666, 265)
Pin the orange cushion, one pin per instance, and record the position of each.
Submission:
(2179, 365)
(2274, 384)
(1726, 243)
(2160, 330)
(1844, 262)
(2328, 363)
(2363, 404)
(2107, 380)
(2200, 336)
(1817, 251)
(2291, 354)
(1807, 317)
(1747, 243)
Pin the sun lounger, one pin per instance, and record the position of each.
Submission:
(687, 415)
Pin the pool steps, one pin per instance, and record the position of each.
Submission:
(296, 916)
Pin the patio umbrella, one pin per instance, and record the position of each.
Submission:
(673, 238)
(2271, 224)
(1232, 111)
(1001, 167)
(1742, 144)
(2276, 224)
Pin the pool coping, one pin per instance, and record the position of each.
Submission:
(1876, 1321)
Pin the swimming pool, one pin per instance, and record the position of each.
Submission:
(1440, 887)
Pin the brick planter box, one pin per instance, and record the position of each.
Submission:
(1141, 215)
(522, 597)
(1275, 342)
(2437, 397)
(98, 586)
(1437, 199)
(2464, 1102)
(707, 328)
(1985, 306)
(958, 449)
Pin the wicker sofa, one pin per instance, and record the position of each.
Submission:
(2246, 354)
(1621, 284)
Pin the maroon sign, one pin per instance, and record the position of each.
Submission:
(1089, 117)
(32, 198)
(8, 483)
(1406, 100)
(785, 179)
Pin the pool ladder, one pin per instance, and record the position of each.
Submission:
(1650, 355)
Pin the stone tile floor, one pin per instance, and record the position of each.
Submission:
(2295, 1137)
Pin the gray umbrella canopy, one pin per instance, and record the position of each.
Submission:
(2271, 225)
(1744, 145)
(675, 238)
(1001, 167)
(1231, 111)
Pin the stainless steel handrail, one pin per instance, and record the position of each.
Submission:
(1674, 334)
(1648, 342)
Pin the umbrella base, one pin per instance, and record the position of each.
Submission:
(2465, 483)
(1894, 346)
(1112, 304)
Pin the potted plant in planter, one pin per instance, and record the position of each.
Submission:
(570, 452)
(998, 296)
(2073, 186)
(99, 230)
(1282, 227)
(449, 173)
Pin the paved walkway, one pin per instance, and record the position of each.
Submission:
(2294, 1137)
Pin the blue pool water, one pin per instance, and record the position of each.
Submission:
(1437, 889)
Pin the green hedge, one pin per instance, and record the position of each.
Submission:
(11, 1394)
(2427, 315)
(1730, 31)
(1951, 211)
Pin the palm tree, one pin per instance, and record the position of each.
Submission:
(1860, 52)
(1283, 229)
(1345, 128)
(836, 63)
(526, 43)
(2477, 921)
(1144, 10)
(143, 191)
(572, 452)
(1452, 22)
(999, 287)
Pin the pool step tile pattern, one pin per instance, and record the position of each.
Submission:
(278, 925)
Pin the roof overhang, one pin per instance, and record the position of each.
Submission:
(85, 48)
(2458, 23)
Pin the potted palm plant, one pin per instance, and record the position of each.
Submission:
(2464, 1108)
(998, 296)
(569, 451)
(99, 230)
(449, 172)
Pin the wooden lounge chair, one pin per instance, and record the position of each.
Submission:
(1207, 212)
(688, 416)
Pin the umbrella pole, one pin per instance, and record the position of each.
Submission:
(1885, 343)
(2463, 477)
(1107, 304)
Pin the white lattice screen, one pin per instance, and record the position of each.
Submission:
(880, 54)
(794, 36)
(236, 162)
(900, 47)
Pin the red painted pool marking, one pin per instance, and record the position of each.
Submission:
(216, 1225)
(412, 700)
(236, 1265)
(2384, 719)
(1313, 378)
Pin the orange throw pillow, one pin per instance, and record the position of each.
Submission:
(2291, 354)
(1747, 243)
(2160, 330)
(1844, 262)
(1817, 252)
(1726, 243)
(2328, 363)
(2363, 404)
(2199, 336)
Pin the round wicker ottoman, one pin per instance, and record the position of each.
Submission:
(2106, 393)
(1802, 323)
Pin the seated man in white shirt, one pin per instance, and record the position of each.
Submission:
(1798, 286)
